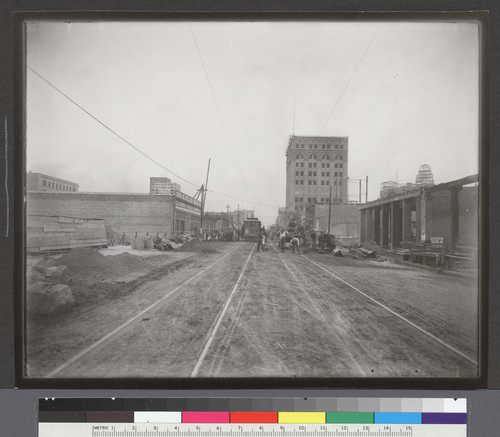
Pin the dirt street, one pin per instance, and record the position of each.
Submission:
(233, 312)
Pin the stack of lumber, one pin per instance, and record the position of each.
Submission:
(51, 233)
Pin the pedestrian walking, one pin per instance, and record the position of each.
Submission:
(313, 239)
(295, 243)
(264, 238)
(283, 236)
(259, 240)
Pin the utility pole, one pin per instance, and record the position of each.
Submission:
(227, 214)
(329, 209)
(360, 191)
(366, 189)
(203, 196)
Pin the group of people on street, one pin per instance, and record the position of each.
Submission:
(222, 235)
(319, 240)
(261, 239)
(294, 242)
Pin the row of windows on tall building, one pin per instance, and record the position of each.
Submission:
(337, 174)
(323, 165)
(314, 182)
(57, 186)
(324, 157)
(316, 146)
(314, 200)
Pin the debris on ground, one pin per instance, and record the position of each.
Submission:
(45, 299)
(87, 262)
(367, 252)
(57, 283)
(374, 247)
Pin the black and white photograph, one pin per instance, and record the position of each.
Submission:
(253, 198)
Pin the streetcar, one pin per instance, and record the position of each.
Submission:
(250, 229)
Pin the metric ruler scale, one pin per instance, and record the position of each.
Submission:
(249, 430)
(221, 417)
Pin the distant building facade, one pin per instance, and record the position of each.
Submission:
(314, 165)
(238, 216)
(47, 183)
(160, 186)
(424, 178)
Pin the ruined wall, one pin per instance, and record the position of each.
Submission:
(122, 213)
(49, 233)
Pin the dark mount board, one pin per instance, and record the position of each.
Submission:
(490, 376)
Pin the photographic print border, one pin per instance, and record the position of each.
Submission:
(257, 382)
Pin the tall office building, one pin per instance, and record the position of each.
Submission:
(313, 166)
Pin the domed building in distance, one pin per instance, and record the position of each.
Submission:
(424, 177)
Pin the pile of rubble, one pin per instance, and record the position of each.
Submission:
(54, 283)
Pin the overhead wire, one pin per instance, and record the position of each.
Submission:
(111, 130)
(219, 112)
(243, 200)
(136, 148)
(350, 79)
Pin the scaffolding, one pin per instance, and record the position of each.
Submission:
(424, 177)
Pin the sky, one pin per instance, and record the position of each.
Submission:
(146, 99)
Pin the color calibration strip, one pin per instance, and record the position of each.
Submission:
(346, 411)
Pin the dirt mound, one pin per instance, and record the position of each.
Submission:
(88, 263)
(129, 261)
(193, 245)
(371, 245)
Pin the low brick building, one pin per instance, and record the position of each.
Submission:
(123, 214)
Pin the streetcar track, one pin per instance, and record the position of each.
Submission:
(408, 311)
(115, 331)
(346, 347)
(211, 337)
(404, 319)
(217, 360)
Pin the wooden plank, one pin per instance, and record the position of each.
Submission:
(39, 221)
(97, 244)
(55, 247)
(92, 226)
(85, 224)
(50, 234)
(88, 241)
(51, 227)
(69, 225)
(463, 258)
(70, 220)
(46, 241)
(89, 233)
